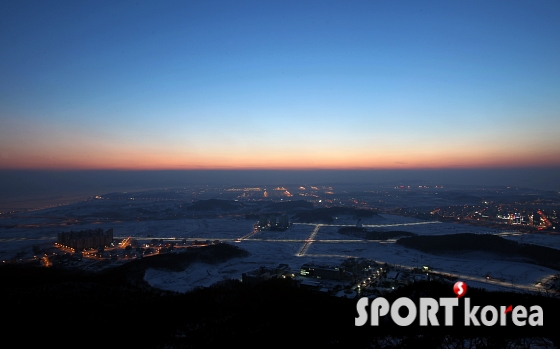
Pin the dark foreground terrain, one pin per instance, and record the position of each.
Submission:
(116, 308)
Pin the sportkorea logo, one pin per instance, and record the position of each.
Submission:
(428, 309)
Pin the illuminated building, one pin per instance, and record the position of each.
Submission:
(86, 238)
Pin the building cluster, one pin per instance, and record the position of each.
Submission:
(325, 272)
(354, 277)
(350, 269)
(273, 222)
(536, 219)
(85, 239)
(497, 215)
(367, 278)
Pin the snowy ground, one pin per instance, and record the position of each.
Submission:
(272, 248)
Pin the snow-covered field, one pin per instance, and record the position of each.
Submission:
(331, 248)
(272, 248)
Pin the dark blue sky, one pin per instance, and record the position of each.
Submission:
(279, 84)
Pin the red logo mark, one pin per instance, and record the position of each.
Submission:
(460, 288)
(508, 309)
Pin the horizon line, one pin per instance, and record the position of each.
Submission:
(289, 169)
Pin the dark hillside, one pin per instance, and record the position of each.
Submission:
(497, 245)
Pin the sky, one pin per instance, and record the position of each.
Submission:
(279, 85)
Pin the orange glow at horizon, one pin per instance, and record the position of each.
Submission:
(318, 161)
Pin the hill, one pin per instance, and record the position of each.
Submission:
(467, 242)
